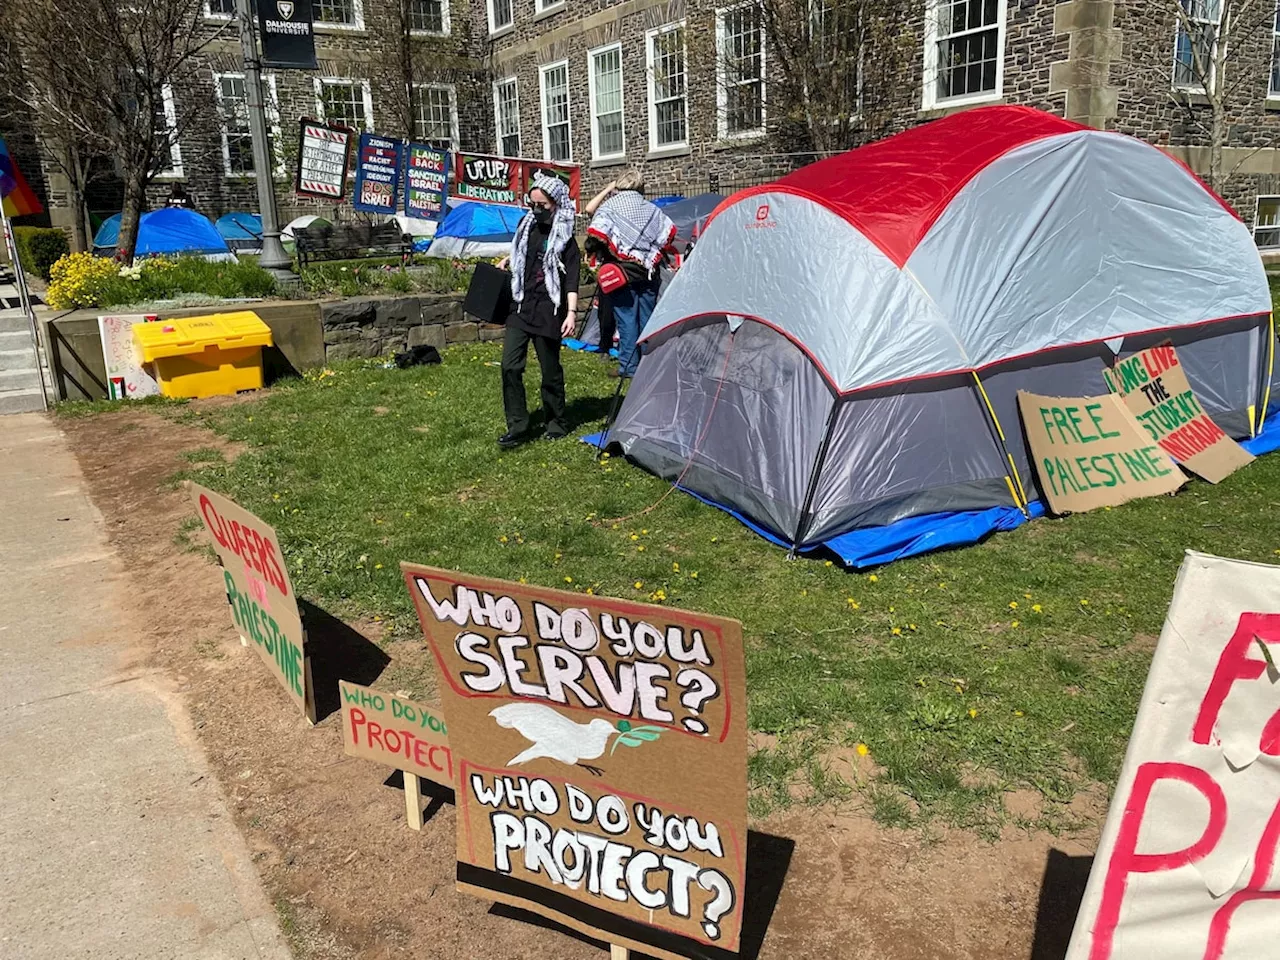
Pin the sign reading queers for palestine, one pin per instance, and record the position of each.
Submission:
(288, 36)
(323, 153)
(1156, 391)
(1089, 452)
(263, 605)
(377, 174)
(600, 755)
(1186, 867)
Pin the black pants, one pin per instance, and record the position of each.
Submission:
(608, 325)
(515, 351)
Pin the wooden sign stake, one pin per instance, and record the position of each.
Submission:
(413, 800)
(618, 953)
(309, 692)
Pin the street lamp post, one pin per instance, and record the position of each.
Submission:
(273, 259)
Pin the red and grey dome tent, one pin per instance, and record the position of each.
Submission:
(844, 348)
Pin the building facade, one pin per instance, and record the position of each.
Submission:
(700, 95)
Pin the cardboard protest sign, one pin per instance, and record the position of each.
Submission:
(426, 182)
(263, 605)
(323, 155)
(1185, 869)
(600, 753)
(1090, 453)
(394, 731)
(377, 174)
(126, 378)
(1156, 391)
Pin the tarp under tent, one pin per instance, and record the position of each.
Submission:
(242, 231)
(166, 232)
(297, 223)
(474, 229)
(843, 351)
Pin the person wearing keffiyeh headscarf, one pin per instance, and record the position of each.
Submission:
(545, 263)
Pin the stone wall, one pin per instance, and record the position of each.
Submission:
(378, 326)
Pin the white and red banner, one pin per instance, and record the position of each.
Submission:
(1186, 868)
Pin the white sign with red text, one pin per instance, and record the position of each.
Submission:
(1186, 868)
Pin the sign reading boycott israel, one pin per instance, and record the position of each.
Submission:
(1156, 391)
(263, 605)
(1090, 453)
(394, 731)
(600, 754)
(1186, 868)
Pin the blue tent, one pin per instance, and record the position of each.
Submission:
(473, 229)
(242, 231)
(167, 231)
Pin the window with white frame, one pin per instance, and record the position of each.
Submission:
(169, 155)
(429, 16)
(835, 36)
(604, 84)
(435, 115)
(740, 70)
(668, 95)
(500, 14)
(1195, 46)
(349, 102)
(556, 128)
(339, 13)
(233, 107)
(964, 51)
(1266, 223)
(1273, 85)
(543, 6)
(506, 112)
(220, 9)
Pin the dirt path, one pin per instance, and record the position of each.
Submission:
(351, 879)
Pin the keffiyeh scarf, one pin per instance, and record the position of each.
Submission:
(559, 237)
(633, 228)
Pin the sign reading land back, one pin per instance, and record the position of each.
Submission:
(1185, 868)
(322, 159)
(600, 754)
(1156, 391)
(1089, 452)
(263, 605)
(426, 182)
(288, 37)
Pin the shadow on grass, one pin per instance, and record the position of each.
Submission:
(768, 860)
(337, 652)
(1061, 892)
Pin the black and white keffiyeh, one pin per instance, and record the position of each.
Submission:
(559, 237)
(633, 228)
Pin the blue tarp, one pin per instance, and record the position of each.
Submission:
(166, 231)
(1268, 438)
(481, 222)
(240, 226)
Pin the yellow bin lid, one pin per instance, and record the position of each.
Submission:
(177, 338)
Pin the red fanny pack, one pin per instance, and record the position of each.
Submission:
(610, 278)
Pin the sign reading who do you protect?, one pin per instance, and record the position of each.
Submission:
(599, 748)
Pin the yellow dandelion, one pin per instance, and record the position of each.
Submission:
(379, 520)
(675, 567)
(897, 631)
(377, 566)
(557, 556)
(644, 532)
(942, 585)
(827, 564)
(862, 749)
(1084, 603)
(568, 579)
(920, 682)
(1026, 596)
(590, 592)
(639, 584)
(1014, 623)
(873, 578)
(524, 579)
(640, 549)
(1013, 604)
(503, 538)
(1018, 713)
(716, 539)
(635, 537)
(891, 609)
(1036, 608)
(694, 574)
(275, 496)
(804, 593)
(853, 604)
(973, 714)
(911, 627)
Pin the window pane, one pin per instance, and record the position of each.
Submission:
(336, 11)
(433, 115)
(742, 66)
(426, 15)
(343, 103)
(222, 8)
(669, 88)
(508, 115)
(501, 13)
(235, 124)
(555, 112)
(607, 104)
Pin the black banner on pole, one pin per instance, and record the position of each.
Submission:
(288, 34)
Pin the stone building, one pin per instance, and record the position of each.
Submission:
(693, 91)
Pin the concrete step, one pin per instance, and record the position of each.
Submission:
(13, 321)
(20, 401)
(15, 339)
(23, 358)
(20, 380)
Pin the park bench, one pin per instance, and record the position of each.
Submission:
(349, 241)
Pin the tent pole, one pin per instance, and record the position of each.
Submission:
(1012, 478)
(802, 525)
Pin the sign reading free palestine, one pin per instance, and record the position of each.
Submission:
(1089, 452)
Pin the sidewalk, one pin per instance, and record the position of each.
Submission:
(116, 840)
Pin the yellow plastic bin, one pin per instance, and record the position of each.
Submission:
(204, 356)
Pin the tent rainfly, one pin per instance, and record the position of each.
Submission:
(844, 349)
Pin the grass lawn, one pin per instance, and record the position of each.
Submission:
(1015, 664)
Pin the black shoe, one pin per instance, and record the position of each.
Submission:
(510, 439)
(555, 435)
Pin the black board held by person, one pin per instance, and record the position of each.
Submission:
(545, 265)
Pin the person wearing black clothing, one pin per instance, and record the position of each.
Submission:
(545, 264)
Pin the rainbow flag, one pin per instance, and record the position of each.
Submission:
(17, 196)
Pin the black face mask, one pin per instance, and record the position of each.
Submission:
(543, 216)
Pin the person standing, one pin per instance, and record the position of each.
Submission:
(632, 235)
(545, 265)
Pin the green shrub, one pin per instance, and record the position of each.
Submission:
(82, 280)
(40, 247)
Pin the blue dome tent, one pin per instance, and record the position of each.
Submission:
(242, 231)
(473, 229)
(168, 231)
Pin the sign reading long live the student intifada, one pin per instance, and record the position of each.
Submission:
(599, 748)
(1089, 452)
(1156, 391)
(259, 592)
(1186, 867)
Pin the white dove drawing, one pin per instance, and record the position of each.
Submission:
(554, 736)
